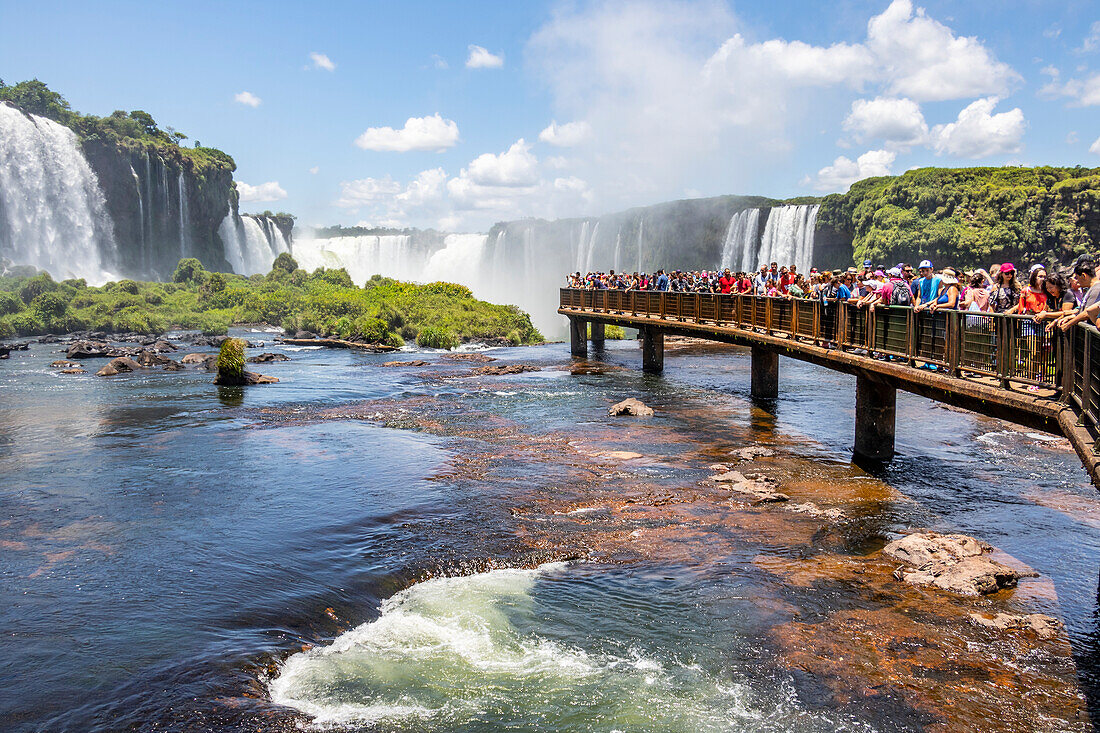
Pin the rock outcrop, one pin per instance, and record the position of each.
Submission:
(118, 365)
(88, 350)
(953, 562)
(494, 370)
(266, 357)
(758, 488)
(630, 406)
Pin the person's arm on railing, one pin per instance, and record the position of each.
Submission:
(1089, 313)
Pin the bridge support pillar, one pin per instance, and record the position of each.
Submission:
(653, 350)
(578, 336)
(597, 335)
(876, 405)
(765, 374)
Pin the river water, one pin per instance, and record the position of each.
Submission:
(363, 547)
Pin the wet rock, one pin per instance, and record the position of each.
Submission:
(480, 358)
(417, 363)
(246, 379)
(119, 365)
(49, 339)
(87, 350)
(266, 357)
(147, 357)
(814, 510)
(1046, 627)
(630, 406)
(753, 451)
(953, 562)
(22, 346)
(506, 369)
(73, 370)
(5, 352)
(758, 488)
(622, 455)
(63, 364)
(304, 335)
(195, 358)
(173, 366)
(164, 346)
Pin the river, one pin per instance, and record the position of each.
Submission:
(363, 547)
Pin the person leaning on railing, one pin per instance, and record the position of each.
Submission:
(1085, 278)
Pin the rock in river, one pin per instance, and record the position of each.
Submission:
(953, 562)
(87, 350)
(758, 488)
(630, 406)
(119, 365)
(493, 370)
(266, 357)
(246, 379)
(417, 363)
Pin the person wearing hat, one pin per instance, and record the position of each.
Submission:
(949, 296)
(926, 289)
(1005, 296)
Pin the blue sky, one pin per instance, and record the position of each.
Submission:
(653, 100)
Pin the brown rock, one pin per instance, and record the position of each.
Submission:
(630, 406)
(953, 562)
(147, 357)
(63, 364)
(481, 358)
(506, 369)
(75, 370)
(753, 451)
(87, 350)
(173, 366)
(758, 488)
(1046, 627)
(417, 363)
(163, 345)
(246, 379)
(194, 358)
(266, 357)
(119, 365)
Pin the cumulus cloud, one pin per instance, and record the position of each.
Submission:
(315, 169)
(321, 61)
(270, 191)
(516, 166)
(481, 58)
(1080, 92)
(978, 133)
(844, 172)
(566, 135)
(247, 98)
(363, 191)
(897, 122)
(439, 62)
(419, 133)
(1092, 40)
(1095, 147)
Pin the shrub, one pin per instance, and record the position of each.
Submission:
(6, 330)
(213, 323)
(436, 338)
(35, 286)
(49, 305)
(231, 359)
(285, 262)
(189, 270)
(128, 286)
(9, 303)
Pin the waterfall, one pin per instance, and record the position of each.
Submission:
(147, 237)
(459, 261)
(591, 250)
(185, 219)
(641, 227)
(363, 256)
(53, 213)
(740, 245)
(618, 248)
(252, 243)
(141, 216)
(789, 236)
(580, 248)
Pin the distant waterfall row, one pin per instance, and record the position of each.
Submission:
(53, 213)
(788, 238)
(252, 243)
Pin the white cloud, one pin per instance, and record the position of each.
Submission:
(419, 133)
(364, 191)
(247, 98)
(516, 166)
(922, 59)
(315, 169)
(428, 186)
(481, 58)
(439, 62)
(898, 122)
(270, 191)
(1072, 137)
(566, 135)
(844, 172)
(321, 61)
(1095, 147)
(978, 133)
(1092, 40)
(1081, 92)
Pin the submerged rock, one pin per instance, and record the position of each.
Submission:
(753, 451)
(953, 562)
(506, 369)
(63, 364)
(244, 380)
(73, 370)
(1046, 627)
(417, 363)
(266, 357)
(87, 350)
(173, 366)
(482, 358)
(630, 406)
(118, 365)
(759, 488)
(163, 345)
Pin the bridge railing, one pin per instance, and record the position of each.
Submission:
(1007, 348)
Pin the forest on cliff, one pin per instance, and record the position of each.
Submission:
(970, 216)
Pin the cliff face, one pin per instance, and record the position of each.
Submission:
(164, 206)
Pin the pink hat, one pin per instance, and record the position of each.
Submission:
(1008, 267)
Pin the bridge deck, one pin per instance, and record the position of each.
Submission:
(994, 365)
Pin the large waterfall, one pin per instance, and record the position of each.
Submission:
(789, 236)
(52, 211)
(739, 249)
(252, 243)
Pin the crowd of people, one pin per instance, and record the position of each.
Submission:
(1054, 298)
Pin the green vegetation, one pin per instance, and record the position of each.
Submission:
(326, 302)
(970, 216)
(127, 130)
(231, 359)
(611, 332)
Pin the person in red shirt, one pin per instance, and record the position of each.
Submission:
(726, 282)
(745, 285)
(786, 279)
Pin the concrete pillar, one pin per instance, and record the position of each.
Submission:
(597, 335)
(765, 373)
(876, 407)
(578, 336)
(653, 350)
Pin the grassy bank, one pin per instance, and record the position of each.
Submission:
(325, 302)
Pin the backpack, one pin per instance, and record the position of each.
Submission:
(829, 292)
(901, 294)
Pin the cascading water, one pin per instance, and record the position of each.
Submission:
(251, 243)
(185, 218)
(363, 256)
(580, 247)
(141, 216)
(740, 245)
(459, 261)
(618, 249)
(789, 236)
(52, 211)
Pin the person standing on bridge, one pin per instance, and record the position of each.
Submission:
(1005, 296)
(662, 281)
(926, 287)
(1085, 277)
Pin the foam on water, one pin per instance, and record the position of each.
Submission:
(458, 652)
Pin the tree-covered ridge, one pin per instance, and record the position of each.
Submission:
(970, 216)
(128, 130)
(324, 302)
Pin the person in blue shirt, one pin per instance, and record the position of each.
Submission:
(662, 280)
(927, 286)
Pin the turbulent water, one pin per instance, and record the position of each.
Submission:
(251, 243)
(789, 236)
(363, 547)
(52, 211)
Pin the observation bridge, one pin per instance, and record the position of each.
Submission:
(983, 362)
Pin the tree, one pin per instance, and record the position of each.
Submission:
(285, 262)
(36, 98)
(148, 124)
(189, 270)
